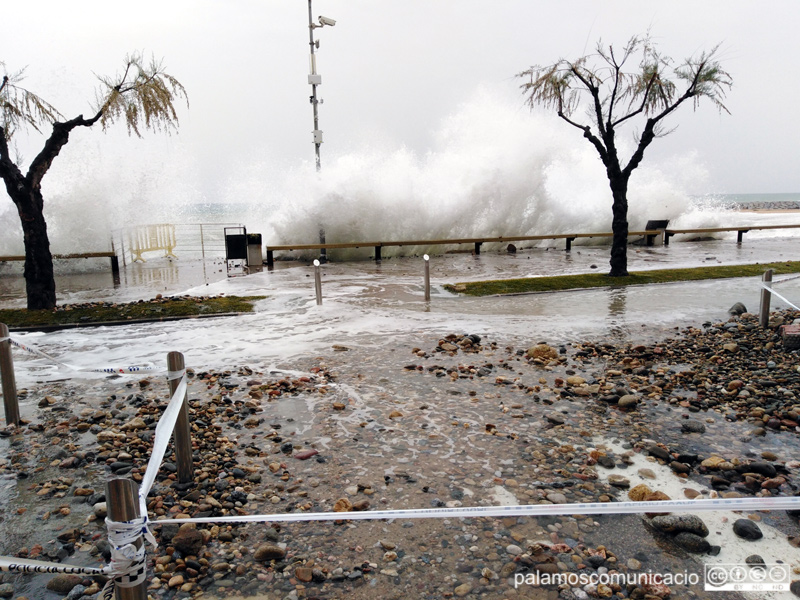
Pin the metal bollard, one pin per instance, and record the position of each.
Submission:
(766, 296)
(10, 400)
(317, 283)
(427, 277)
(122, 498)
(183, 436)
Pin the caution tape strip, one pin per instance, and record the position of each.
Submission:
(770, 289)
(529, 510)
(785, 279)
(163, 432)
(34, 351)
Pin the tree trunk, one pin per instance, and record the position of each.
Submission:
(40, 284)
(619, 225)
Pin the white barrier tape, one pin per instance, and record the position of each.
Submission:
(173, 375)
(784, 280)
(121, 535)
(530, 510)
(132, 369)
(772, 291)
(164, 429)
(24, 565)
(128, 565)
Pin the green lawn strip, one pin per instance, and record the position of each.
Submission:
(592, 280)
(102, 312)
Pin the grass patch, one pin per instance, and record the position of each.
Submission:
(104, 312)
(593, 280)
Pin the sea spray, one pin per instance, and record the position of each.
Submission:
(493, 169)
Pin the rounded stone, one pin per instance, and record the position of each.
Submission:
(747, 530)
(679, 523)
(269, 552)
(63, 583)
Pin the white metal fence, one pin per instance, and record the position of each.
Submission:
(183, 240)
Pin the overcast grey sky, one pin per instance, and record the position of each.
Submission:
(395, 70)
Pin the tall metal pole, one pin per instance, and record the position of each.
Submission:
(314, 80)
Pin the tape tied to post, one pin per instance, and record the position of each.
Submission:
(128, 565)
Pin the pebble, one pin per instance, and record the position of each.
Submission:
(746, 529)
(677, 523)
(693, 426)
(268, 552)
(513, 550)
(62, 583)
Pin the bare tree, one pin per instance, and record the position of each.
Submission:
(613, 97)
(143, 95)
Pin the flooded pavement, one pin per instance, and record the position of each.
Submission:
(404, 413)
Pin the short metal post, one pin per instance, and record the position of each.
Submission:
(569, 244)
(766, 296)
(478, 248)
(7, 376)
(378, 254)
(122, 496)
(270, 258)
(183, 436)
(427, 277)
(317, 283)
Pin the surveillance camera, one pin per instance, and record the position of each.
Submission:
(326, 21)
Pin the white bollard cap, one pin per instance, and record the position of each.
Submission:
(316, 262)
(426, 257)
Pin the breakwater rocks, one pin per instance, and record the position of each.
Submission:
(457, 420)
(777, 205)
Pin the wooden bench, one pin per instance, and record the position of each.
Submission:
(668, 233)
(649, 235)
(110, 254)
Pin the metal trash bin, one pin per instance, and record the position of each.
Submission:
(236, 251)
(255, 254)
